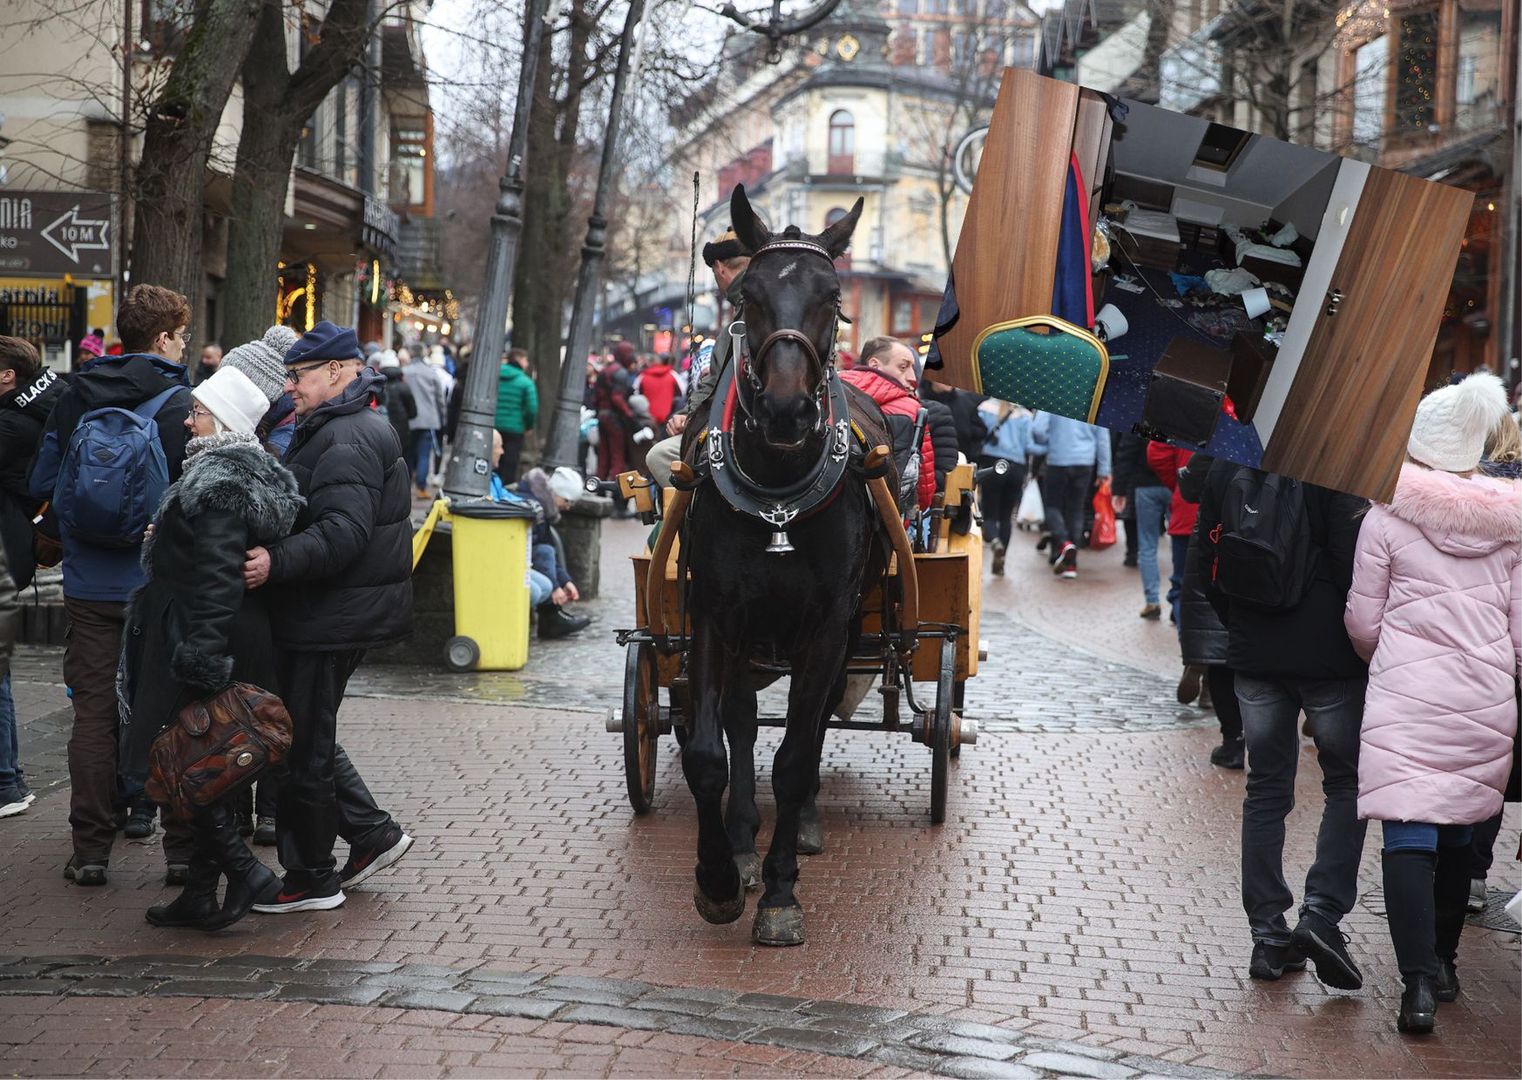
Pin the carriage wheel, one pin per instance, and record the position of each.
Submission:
(959, 706)
(641, 724)
(940, 731)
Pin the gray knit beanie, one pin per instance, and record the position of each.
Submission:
(263, 361)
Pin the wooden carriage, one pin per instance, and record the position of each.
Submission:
(940, 595)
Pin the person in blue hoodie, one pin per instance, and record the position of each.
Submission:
(1008, 438)
(1077, 458)
(153, 325)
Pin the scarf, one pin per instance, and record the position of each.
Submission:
(201, 443)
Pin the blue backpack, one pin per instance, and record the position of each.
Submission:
(113, 475)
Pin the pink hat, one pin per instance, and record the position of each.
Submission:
(92, 346)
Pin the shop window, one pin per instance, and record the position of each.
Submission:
(410, 156)
(1477, 92)
(1415, 105)
(842, 144)
(1370, 68)
(903, 316)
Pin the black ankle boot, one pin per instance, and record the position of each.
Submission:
(1418, 1006)
(1450, 900)
(555, 623)
(1409, 907)
(197, 904)
(248, 879)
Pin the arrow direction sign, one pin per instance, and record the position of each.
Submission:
(72, 234)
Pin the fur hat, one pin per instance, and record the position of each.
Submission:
(1453, 422)
(566, 483)
(724, 246)
(233, 399)
(263, 361)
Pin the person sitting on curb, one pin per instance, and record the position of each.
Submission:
(554, 493)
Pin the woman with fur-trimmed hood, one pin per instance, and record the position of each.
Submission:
(1436, 609)
(193, 629)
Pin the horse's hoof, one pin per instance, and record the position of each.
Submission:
(718, 912)
(749, 865)
(778, 926)
(810, 838)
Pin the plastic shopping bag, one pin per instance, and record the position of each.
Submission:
(1031, 511)
(1103, 534)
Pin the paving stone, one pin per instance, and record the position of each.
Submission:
(329, 995)
(400, 980)
(102, 987)
(683, 1005)
(583, 995)
(907, 1057)
(1081, 1050)
(21, 969)
(976, 1068)
(533, 1008)
(820, 1042)
(363, 967)
(212, 988)
(440, 1000)
(962, 1046)
(867, 1014)
(503, 978)
(427, 971)
(18, 987)
(772, 1001)
(638, 1019)
(710, 1027)
(320, 977)
(1073, 1065)
(965, 1028)
(755, 1017)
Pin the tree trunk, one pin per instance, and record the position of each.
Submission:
(277, 105)
(171, 178)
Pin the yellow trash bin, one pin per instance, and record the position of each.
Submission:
(492, 543)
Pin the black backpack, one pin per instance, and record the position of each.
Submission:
(1263, 551)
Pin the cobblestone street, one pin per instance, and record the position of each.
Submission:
(1077, 914)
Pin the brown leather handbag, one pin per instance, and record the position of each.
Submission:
(217, 746)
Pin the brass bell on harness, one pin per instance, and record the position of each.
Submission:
(780, 544)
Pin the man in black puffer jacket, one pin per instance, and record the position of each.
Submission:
(343, 584)
(27, 394)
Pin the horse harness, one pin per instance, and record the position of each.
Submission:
(844, 445)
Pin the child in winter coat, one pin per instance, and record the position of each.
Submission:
(1436, 608)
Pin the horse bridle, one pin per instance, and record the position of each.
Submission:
(746, 364)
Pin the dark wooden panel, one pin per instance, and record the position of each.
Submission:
(1006, 256)
(1348, 414)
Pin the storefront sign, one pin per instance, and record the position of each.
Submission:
(55, 232)
(382, 225)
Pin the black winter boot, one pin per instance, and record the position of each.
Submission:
(248, 879)
(555, 623)
(1450, 899)
(197, 904)
(1409, 907)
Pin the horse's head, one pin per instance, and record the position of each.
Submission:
(791, 302)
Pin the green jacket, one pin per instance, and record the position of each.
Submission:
(517, 400)
(705, 387)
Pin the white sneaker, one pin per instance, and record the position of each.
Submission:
(11, 809)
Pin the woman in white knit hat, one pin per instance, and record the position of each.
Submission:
(1436, 609)
(193, 629)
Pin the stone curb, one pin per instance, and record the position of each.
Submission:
(931, 1044)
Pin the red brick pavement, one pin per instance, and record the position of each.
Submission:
(1083, 888)
(41, 1036)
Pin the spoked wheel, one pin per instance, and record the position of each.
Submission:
(940, 731)
(641, 724)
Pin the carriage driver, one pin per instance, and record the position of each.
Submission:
(727, 258)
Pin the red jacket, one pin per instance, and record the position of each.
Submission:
(658, 383)
(900, 406)
(1166, 461)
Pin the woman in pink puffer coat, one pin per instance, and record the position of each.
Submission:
(1436, 609)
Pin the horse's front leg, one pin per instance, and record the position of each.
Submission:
(741, 818)
(719, 896)
(816, 686)
(810, 828)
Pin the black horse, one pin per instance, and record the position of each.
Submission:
(792, 595)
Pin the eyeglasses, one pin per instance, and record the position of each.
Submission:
(295, 372)
(200, 413)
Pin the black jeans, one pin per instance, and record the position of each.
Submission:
(1000, 498)
(1270, 715)
(1222, 681)
(512, 450)
(1067, 493)
(322, 795)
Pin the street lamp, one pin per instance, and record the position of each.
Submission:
(565, 427)
(468, 473)
(776, 27)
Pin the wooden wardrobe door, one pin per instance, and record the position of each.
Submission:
(1006, 257)
(1349, 410)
